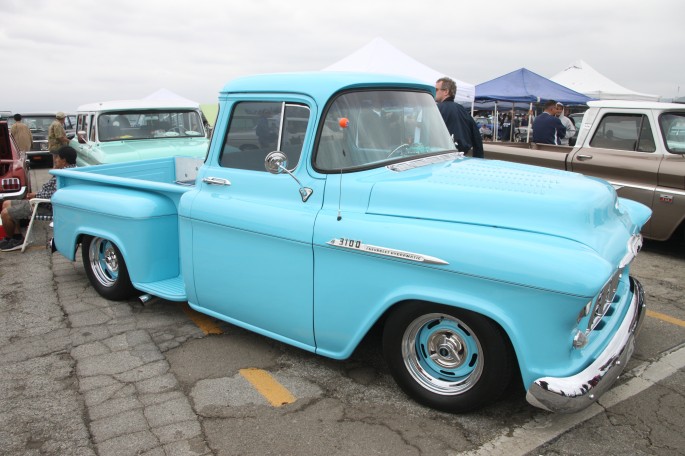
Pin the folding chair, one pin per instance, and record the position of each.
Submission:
(35, 204)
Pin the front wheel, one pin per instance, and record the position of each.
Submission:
(446, 358)
(106, 269)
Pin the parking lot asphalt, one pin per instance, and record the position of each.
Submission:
(80, 375)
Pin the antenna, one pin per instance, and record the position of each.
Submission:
(344, 122)
(340, 193)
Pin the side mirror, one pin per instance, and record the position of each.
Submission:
(277, 163)
(81, 137)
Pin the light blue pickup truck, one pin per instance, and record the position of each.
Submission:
(333, 203)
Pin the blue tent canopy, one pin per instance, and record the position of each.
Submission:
(525, 86)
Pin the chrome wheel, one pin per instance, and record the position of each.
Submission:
(104, 261)
(447, 358)
(442, 354)
(106, 268)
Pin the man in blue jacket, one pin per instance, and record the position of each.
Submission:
(460, 124)
(547, 128)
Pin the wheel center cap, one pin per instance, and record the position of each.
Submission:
(111, 259)
(447, 350)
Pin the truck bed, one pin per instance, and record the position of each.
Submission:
(546, 155)
(170, 176)
(173, 171)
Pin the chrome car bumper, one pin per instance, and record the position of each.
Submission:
(574, 393)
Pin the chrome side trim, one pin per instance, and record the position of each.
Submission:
(670, 190)
(619, 185)
(384, 251)
(574, 393)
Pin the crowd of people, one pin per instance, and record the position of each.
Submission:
(551, 127)
(515, 129)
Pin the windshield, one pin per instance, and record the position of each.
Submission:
(369, 128)
(36, 123)
(673, 128)
(125, 125)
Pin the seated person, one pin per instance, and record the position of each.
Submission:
(485, 132)
(14, 211)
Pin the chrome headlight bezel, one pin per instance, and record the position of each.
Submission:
(592, 314)
(594, 311)
(634, 247)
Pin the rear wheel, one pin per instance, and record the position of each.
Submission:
(106, 269)
(446, 358)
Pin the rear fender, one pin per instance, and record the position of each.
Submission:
(143, 225)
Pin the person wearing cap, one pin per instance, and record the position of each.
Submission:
(13, 211)
(21, 134)
(57, 137)
(566, 122)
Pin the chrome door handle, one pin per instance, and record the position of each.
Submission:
(584, 157)
(216, 181)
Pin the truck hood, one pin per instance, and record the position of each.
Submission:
(133, 150)
(506, 195)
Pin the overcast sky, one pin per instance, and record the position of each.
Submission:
(57, 55)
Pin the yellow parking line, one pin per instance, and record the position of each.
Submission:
(268, 387)
(204, 322)
(666, 318)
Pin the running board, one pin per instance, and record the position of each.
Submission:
(169, 289)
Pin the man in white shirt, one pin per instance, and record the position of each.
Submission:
(568, 123)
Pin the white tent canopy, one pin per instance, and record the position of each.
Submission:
(168, 95)
(582, 78)
(379, 56)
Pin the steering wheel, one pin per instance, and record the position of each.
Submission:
(176, 129)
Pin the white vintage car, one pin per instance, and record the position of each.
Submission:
(130, 130)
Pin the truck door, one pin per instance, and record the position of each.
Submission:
(622, 150)
(85, 124)
(252, 256)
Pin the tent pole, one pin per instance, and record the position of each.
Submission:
(495, 124)
(530, 121)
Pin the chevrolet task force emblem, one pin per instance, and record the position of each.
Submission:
(384, 251)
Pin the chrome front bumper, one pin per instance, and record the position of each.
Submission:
(574, 393)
